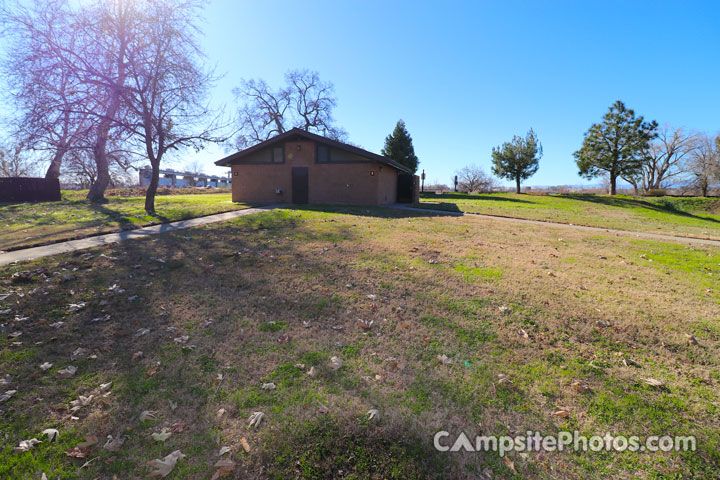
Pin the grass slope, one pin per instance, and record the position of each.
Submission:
(28, 224)
(270, 297)
(683, 216)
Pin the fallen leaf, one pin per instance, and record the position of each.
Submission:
(90, 440)
(445, 359)
(147, 415)
(82, 401)
(510, 464)
(137, 355)
(244, 444)
(162, 468)
(182, 339)
(51, 433)
(67, 372)
(220, 413)
(312, 372)
(79, 353)
(255, 419)
(224, 450)
(224, 467)
(114, 444)
(654, 382)
(335, 363)
(163, 435)
(26, 445)
(7, 395)
(46, 366)
(151, 372)
(561, 413)
(692, 339)
(269, 386)
(179, 427)
(75, 453)
(373, 414)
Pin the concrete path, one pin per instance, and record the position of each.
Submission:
(108, 238)
(626, 233)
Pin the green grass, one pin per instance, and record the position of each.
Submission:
(271, 298)
(687, 216)
(27, 224)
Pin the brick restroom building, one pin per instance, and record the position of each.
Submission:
(302, 167)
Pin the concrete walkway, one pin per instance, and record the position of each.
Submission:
(625, 233)
(108, 238)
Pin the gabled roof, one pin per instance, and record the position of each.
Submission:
(297, 132)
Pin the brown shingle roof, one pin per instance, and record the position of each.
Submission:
(297, 132)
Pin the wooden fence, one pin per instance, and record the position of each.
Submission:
(18, 189)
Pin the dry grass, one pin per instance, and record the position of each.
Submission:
(433, 286)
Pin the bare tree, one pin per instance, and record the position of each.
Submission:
(474, 179)
(43, 89)
(14, 164)
(263, 113)
(304, 102)
(167, 86)
(704, 164)
(665, 159)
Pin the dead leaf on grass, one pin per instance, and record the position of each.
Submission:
(7, 395)
(653, 382)
(244, 444)
(90, 441)
(255, 419)
(269, 386)
(51, 433)
(151, 372)
(224, 450)
(561, 413)
(161, 436)
(26, 445)
(373, 414)
(335, 363)
(224, 468)
(510, 464)
(46, 366)
(147, 415)
(67, 372)
(162, 468)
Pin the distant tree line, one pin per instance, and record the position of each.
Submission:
(649, 157)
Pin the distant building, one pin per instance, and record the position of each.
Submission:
(175, 179)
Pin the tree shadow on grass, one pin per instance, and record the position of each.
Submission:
(378, 212)
(625, 202)
(473, 197)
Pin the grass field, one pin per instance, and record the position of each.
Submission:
(29, 224)
(683, 216)
(478, 325)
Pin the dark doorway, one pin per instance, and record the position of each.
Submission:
(404, 188)
(299, 185)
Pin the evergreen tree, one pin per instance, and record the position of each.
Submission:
(617, 146)
(399, 147)
(518, 159)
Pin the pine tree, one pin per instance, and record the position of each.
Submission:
(617, 146)
(518, 159)
(399, 147)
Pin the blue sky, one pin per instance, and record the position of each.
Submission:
(467, 76)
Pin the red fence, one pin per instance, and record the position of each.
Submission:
(18, 189)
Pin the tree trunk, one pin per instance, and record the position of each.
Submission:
(152, 188)
(97, 189)
(517, 184)
(53, 171)
(613, 183)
